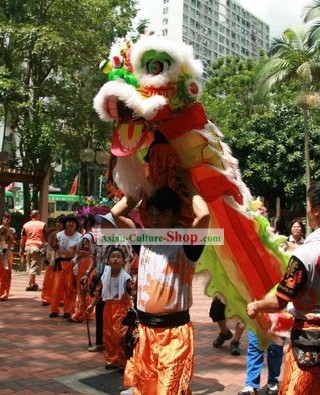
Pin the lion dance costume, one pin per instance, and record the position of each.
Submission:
(161, 133)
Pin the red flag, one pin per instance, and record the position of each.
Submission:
(74, 186)
(9, 187)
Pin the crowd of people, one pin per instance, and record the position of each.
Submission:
(140, 295)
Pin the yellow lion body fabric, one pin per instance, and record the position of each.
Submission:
(162, 132)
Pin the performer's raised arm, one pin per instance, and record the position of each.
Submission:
(201, 212)
(121, 210)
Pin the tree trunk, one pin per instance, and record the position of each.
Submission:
(44, 192)
(26, 201)
(2, 199)
(306, 155)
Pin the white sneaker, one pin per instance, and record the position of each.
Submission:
(247, 390)
(272, 389)
(129, 391)
(96, 348)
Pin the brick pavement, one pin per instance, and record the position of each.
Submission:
(45, 356)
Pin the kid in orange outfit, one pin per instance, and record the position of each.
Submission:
(64, 281)
(52, 246)
(163, 356)
(83, 262)
(115, 289)
(7, 240)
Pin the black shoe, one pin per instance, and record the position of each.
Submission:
(33, 287)
(234, 347)
(272, 389)
(4, 299)
(110, 367)
(218, 342)
(66, 316)
(74, 321)
(53, 314)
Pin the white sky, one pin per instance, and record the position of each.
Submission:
(278, 14)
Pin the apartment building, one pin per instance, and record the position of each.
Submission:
(213, 27)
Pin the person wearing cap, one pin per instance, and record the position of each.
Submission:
(63, 284)
(31, 245)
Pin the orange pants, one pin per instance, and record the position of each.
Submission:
(113, 331)
(5, 276)
(47, 285)
(297, 380)
(128, 373)
(83, 298)
(64, 289)
(163, 360)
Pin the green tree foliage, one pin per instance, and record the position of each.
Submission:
(271, 155)
(311, 13)
(294, 57)
(49, 55)
(228, 94)
(267, 137)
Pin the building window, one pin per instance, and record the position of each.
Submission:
(165, 10)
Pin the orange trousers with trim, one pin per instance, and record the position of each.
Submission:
(47, 285)
(163, 360)
(113, 331)
(83, 298)
(5, 276)
(64, 289)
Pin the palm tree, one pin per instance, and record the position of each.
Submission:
(294, 57)
(311, 13)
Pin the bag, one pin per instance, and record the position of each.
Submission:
(306, 358)
(306, 347)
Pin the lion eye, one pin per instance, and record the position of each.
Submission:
(156, 67)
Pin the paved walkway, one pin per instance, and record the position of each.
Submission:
(41, 355)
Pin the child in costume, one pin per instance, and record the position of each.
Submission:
(83, 261)
(94, 273)
(163, 356)
(7, 240)
(63, 283)
(51, 255)
(115, 290)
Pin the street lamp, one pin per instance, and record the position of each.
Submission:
(87, 155)
(94, 163)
